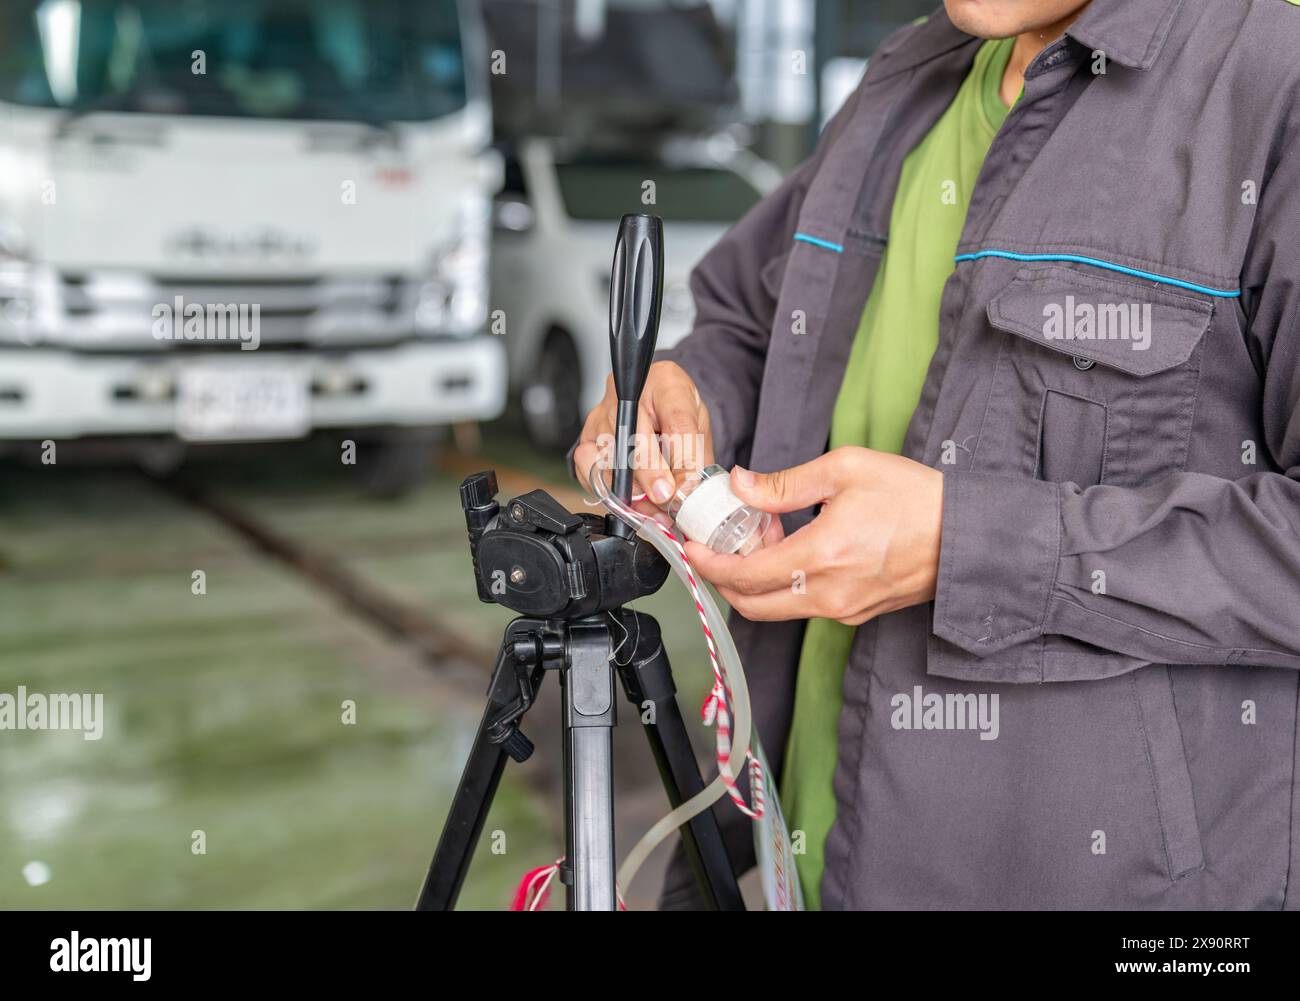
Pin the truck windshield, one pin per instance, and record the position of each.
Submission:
(605, 190)
(367, 60)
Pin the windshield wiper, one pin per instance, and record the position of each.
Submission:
(107, 102)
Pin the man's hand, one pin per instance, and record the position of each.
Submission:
(673, 436)
(873, 548)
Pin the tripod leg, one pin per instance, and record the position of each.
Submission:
(482, 774)
(589, 718)
(648, 682)
(474, 795)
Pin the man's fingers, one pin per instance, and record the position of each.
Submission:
(599, 445)
(651, 470)
(775, 532)
(776, 606)
(583, 458)
(781, 567)
(650, 510)
(779, 606)
(594, 445)
(684, 440)
(592, 453)
(595, 452)
(672, 435)
(790, 489)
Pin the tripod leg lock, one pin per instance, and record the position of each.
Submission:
(515, 744)
(514, 686)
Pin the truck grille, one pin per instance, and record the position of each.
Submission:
(110, 311)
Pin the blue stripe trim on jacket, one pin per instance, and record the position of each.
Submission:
(818, 242)
(1149, 276)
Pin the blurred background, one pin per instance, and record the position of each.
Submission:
(274, 276)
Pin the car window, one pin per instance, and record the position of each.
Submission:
(602, 190)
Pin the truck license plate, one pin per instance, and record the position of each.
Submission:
(238, 403)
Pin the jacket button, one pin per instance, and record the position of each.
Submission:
(1083, 364)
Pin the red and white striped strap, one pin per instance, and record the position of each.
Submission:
(534, 890)
(714, 711)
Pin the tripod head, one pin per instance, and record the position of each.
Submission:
(538, 558)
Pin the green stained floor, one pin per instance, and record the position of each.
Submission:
(223, 711)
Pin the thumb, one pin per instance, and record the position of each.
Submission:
(785, 490)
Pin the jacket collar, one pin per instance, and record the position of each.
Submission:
(935, 37)
(1129, 32)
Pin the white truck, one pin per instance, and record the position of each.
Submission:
(235, 220)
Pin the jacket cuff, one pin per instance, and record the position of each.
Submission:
(998, 560)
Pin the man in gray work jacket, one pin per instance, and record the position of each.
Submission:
(1106, 538)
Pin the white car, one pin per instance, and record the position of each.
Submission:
(556, 220)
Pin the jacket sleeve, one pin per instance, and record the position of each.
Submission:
(727, 347)
(735, 290)
(1197, 569)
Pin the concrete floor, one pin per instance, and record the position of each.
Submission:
(223, 711)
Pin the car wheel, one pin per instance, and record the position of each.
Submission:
(552, 397)
(391, 464)
(160, 458)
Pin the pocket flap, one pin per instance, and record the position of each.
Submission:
(1138, 328)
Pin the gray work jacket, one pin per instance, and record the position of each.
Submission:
(1113, 402)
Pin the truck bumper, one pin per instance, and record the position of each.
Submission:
(47, 393)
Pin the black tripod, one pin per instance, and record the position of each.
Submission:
(569, 576)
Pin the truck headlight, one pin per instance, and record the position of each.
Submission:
(454, 298)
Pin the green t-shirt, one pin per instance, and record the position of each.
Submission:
(881, 388)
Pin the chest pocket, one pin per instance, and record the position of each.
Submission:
(1096, 383)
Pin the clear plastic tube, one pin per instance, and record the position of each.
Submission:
(728, 659)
